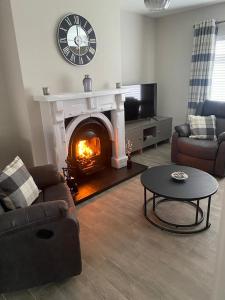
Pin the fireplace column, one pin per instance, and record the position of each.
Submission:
(119, 158)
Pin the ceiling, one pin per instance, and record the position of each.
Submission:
(175, 6)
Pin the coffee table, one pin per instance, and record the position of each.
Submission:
(199, 186)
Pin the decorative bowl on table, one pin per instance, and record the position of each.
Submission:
(179, 176)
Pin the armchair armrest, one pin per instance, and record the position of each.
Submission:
(40, 243)
(30, 216)
(221, 137)
(183, 130)
(46, 175)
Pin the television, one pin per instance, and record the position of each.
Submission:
(141, 101)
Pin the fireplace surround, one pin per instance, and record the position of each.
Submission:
(76, 127)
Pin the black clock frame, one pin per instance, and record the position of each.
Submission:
(65, 24)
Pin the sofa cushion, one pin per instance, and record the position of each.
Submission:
(203, 149)
(216, 108)
(202, 127)
(17, 185)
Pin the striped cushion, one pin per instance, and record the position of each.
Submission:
(203, 128)
(18, 188)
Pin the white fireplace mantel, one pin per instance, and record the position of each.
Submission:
(80, 95)
(78, 106)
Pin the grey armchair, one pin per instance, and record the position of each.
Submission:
(206, 155)
(40, 243)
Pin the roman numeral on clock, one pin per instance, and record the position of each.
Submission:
(63, 41)
(92, 50)
(68, 21)
(92, 41)
(85, 24)
(76, 20)
(88, 58)
(66, 50)
(63, 29)
(73, 58)
(81, 61)
(89, 31)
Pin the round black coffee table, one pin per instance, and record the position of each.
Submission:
(200, 185)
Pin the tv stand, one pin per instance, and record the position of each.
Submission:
(144, 133)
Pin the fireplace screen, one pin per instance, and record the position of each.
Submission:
(90, 149)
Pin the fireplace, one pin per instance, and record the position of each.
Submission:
(89, 149)
(78, 131)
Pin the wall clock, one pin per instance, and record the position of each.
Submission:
(76, 39)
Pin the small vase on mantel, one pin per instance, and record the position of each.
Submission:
(87, 83)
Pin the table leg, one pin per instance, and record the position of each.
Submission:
(145, 201)
(197, 209)
(154, 202)
(208, 212)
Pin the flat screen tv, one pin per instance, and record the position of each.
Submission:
(141, 101)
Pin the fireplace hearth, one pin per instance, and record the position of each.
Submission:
(89, 150)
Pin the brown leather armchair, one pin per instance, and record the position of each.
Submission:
(206, 155)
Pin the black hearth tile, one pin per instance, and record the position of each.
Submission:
(104, 180)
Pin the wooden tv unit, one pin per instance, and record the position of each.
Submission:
(144, 133)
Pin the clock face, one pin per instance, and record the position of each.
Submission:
(76, 39)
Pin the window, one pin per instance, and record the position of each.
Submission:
(218, 78)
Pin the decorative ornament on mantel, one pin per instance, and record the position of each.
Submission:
(129, 148)
(87, 83)
(157, 5)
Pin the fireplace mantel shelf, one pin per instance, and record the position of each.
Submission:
(81, 95)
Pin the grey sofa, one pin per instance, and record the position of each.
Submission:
(40, 243)
(206, 155)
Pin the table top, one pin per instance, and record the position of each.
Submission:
(198, 186)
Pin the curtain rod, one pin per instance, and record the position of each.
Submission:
(220, 22)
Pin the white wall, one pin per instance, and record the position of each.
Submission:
(173, 59)
(14, 127)
(41, 63)
(138, 48)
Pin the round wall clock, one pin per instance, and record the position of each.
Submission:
(76, 39)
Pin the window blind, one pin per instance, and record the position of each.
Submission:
(218, 78)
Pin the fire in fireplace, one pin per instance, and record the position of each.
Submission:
(87, 152)
(89, 149)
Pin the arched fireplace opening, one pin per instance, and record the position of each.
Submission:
(90, 149)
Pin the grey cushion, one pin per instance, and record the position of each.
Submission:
(18, 187)
(203, 149)
(202, 127)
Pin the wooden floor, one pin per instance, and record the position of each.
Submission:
(124, 257)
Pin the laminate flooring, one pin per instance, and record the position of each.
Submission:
(124, 257)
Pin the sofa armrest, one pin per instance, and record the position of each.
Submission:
(221, 137)
(38, 214)
(219, 168)
(183, 130)
(46, 175)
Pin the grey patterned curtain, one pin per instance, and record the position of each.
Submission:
(203, 55)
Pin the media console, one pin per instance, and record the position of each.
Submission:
(144, 133)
